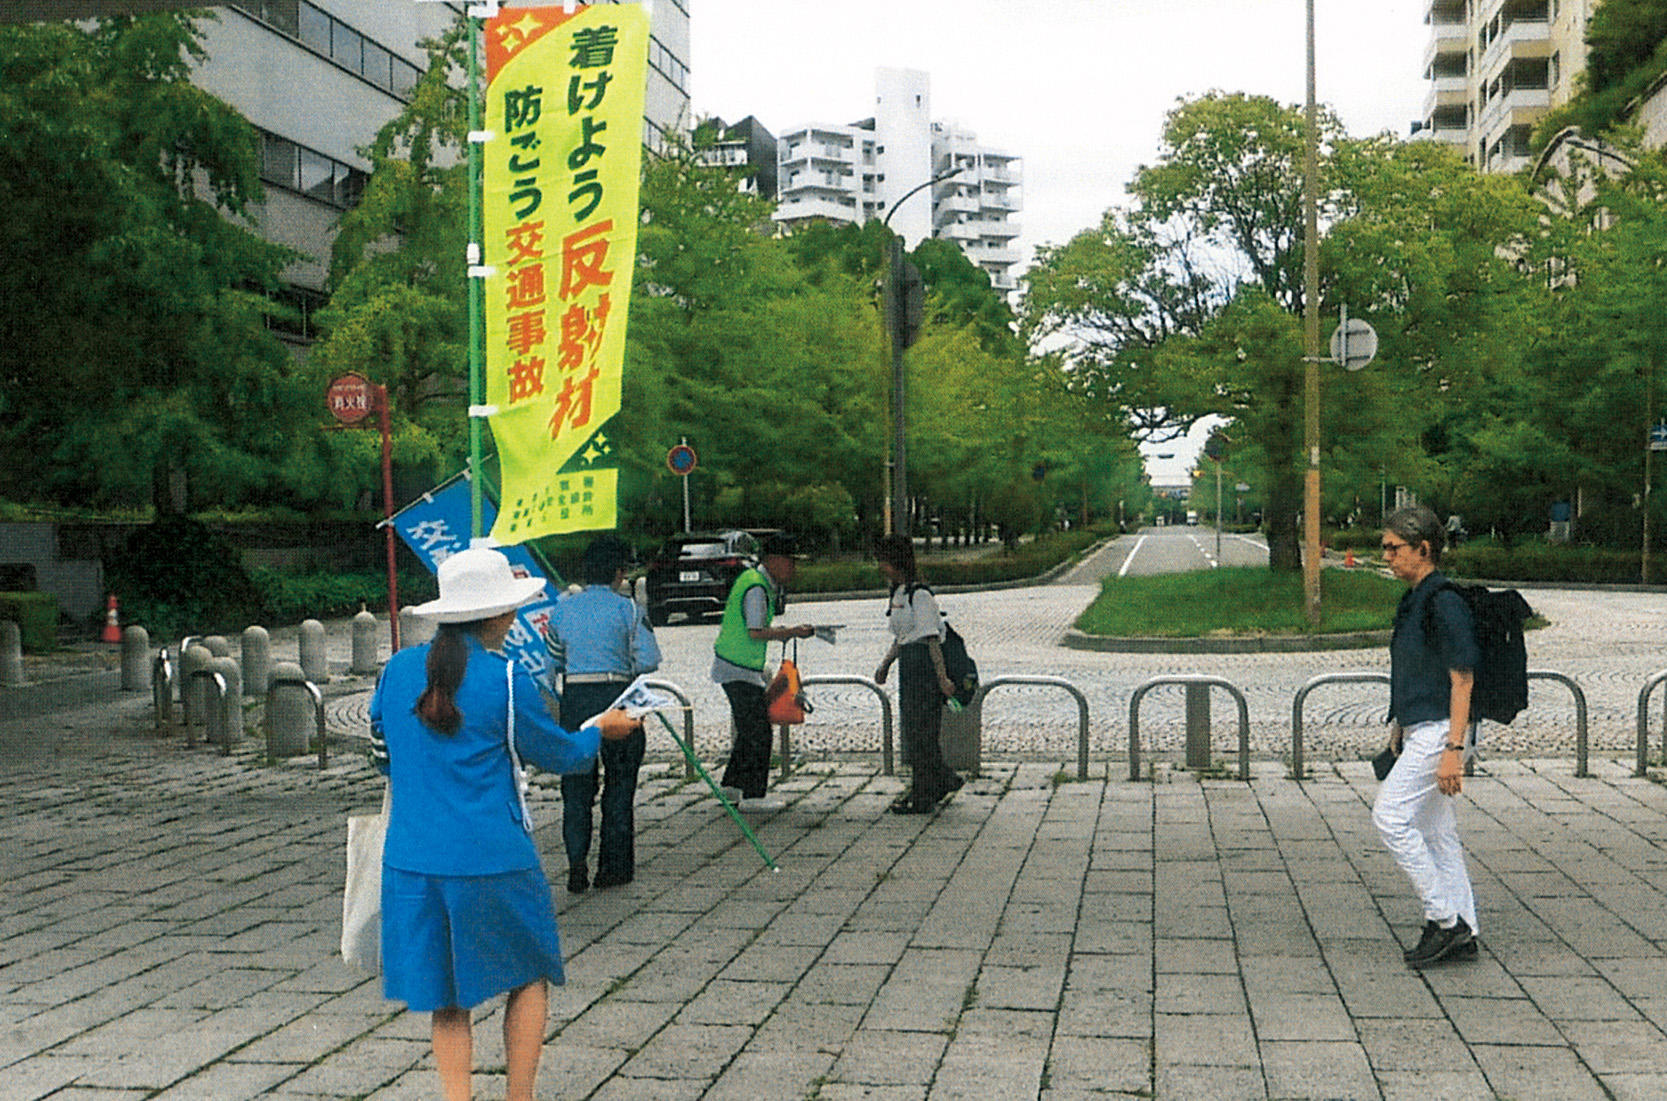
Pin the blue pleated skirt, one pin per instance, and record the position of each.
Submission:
(452, 942)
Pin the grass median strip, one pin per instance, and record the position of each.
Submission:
(1238, 601)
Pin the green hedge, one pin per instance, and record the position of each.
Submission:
(1544, 562)
(36, 616)
(1026, 561)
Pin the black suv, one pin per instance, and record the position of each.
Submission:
(693, 573)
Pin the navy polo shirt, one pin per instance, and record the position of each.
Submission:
(1420, 685)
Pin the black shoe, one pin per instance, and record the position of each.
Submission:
(578, 880)
(1468, 950)
(908, 804)
(1430, 930)
(609, 878)
(1445, 944)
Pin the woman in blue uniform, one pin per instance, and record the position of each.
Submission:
(466, 910)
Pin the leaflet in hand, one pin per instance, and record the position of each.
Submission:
(638, 700)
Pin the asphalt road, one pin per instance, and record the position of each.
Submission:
(1175, 550)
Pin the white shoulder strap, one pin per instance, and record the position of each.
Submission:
(514, 756)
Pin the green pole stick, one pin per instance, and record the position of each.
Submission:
(688, 752)
(477, 337)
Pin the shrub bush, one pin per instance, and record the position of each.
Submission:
(36, 616)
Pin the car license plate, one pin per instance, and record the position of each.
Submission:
(689, 575)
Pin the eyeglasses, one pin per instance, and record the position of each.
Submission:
(1392, 548)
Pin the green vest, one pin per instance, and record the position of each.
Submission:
(734, 644)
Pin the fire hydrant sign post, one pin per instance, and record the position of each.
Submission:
(351, 398)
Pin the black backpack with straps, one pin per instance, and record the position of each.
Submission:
(1501, 688)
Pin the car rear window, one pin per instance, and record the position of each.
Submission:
(702, 550)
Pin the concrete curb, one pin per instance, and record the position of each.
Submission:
(1247, 644)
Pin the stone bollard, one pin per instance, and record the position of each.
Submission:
(257, 661)
(216, 645)
(365, 652)
(290, 712)
(11, 655)
(315, 661)
(414, 629)
(194, 658)
(228, 725)
(135, 660)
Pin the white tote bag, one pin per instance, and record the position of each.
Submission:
(362, 899)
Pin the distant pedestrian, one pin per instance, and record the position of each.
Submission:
(923, 683)
(466, 910)
(739, 655)
(601, 643)
(1431, 676)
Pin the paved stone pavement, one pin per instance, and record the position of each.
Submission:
(170, 915)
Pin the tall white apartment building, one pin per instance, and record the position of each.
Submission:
(853, 173)
(1496, 67)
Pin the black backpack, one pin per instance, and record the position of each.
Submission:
(958, 665)
(1501, 688)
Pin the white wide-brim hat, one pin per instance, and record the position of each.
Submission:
(478, 583)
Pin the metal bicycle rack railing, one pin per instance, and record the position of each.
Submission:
(1580, 737)
(1046, 682)
(1644, 724)
(886, 757)
(215, 731)
(1302, 696)
(688, 719)
(1192, 679)
(162, 689)
(1580, 729)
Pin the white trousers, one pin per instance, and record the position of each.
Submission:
(1420, 828)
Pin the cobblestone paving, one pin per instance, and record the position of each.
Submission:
(170, 918)
(169, 923)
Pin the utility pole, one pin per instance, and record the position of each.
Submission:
(1311, 347)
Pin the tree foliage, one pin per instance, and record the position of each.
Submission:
(134, 359)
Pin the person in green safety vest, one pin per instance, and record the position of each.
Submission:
(755, 600)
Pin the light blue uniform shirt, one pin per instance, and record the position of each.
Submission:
(603, 632)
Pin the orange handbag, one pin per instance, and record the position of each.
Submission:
(785, 698)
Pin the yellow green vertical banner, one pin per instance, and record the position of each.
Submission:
(564, 108)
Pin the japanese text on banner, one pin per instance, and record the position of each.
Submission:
(565, 105)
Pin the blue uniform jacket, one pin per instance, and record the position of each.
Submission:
(455, 808)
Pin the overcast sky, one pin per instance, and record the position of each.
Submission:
(1077, 88)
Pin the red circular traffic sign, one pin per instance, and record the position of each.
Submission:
(349, 398)
(681, 459)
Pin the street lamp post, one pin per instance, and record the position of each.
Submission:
(898, 284)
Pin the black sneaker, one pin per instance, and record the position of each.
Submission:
(1430, 930)
(1445, 944)
(578, 880)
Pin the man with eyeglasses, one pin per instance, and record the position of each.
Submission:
(1432, 658)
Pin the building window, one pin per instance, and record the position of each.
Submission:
(331, 38)
(296, 168)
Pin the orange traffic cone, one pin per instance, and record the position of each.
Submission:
(1348, 559)
(112, 624)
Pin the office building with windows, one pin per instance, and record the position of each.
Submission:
(1496, 67)
(319, 78)
(867, 169)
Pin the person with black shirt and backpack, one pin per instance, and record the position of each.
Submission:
(1433, 655)
(923, 681)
